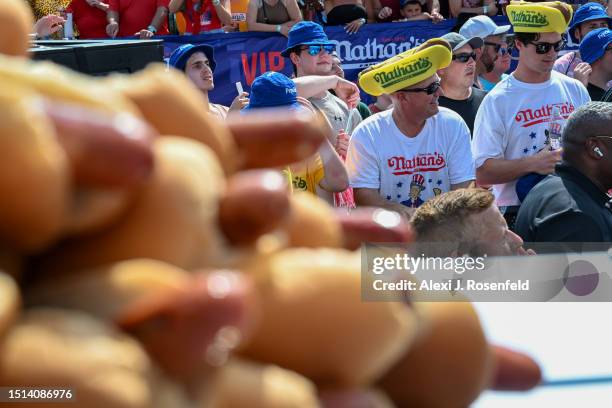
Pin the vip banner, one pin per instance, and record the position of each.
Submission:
(241, 57)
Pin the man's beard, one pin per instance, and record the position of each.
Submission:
(488, 64)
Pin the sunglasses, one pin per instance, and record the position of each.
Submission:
(465, 57)
(544, 47)
(316, 49)
(429, 90)
(498, 48)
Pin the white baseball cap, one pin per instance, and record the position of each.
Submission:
(482, 26)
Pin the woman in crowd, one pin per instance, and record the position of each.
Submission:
(472, 8)
(89, 17)
(203, 15)
(273, 15)
(350, 13)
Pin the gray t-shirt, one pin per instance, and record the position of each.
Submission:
(337, 113)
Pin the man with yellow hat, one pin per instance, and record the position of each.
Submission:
(402, 157)
(512, 146)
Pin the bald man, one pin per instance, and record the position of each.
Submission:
(573, 205)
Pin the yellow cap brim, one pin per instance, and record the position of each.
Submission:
(539, 17)
(405, 69)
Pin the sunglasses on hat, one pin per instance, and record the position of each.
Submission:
(544, 47)
(465, 57)
(316, 49)
(429, 90)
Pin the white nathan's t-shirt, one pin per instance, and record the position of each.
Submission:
(512, 120)
(410, 170)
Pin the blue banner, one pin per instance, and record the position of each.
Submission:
(241, 57)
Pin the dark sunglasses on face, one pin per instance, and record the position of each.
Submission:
(429, 90)
(316, 49)
(498, 48)
(464, 57)
(495, 45)
(544, 47)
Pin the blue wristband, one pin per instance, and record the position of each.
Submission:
(152, 29)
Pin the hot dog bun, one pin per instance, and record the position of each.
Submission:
(314, 321)
(255, 202)
(16, 21)
(49, 347)
(34, 166)
(273, 138)
(173, 218)
(312, 223)
(448, 365)
(106, 291)
(60, 84)
(9, 302)
(172, 105)
(243, 383)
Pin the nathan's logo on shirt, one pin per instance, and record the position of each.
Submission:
(401, 73)
(528, 18)
(422, 163)
(530, 117)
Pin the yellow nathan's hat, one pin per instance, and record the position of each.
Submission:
(405, 69)
(548, 17)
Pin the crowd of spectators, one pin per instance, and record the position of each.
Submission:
(469, 123)
(94, 19)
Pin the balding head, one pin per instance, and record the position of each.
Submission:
(463, 222)
(587, 142)
(447, 218)
(590, 120)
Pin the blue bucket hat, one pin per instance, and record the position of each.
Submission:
(594, 44)
(179, 56)
(305, 33)
(272, 89)
(587, 12)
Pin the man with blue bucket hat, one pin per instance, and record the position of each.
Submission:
(596, 50)
(273, 90)
(197, 61)
(323, 174)
(588, 17)
(310, 52)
